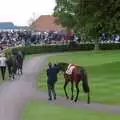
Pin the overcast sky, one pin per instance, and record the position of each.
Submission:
(20, 11)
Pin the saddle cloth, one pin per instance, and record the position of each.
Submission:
(70, 69)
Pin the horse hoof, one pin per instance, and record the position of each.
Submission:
(75, 101)
(67, 97)
(71, 98)
(88, 102)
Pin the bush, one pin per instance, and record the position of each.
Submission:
(8, 52)
(63, 48)
(109, 46)
(54, 48)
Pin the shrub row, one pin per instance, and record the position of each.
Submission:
(63, 48)
(110, 46)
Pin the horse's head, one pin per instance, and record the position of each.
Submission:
(62, 66)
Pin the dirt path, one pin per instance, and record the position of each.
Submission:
(15, 94)
(93, 106)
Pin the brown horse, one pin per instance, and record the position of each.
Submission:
(78, 74)
(20, 59)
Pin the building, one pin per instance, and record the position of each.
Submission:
(46, 23)
(9, 26)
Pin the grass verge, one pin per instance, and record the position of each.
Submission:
(103, 72)
(44, 111)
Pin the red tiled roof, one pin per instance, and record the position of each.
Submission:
(46, 23)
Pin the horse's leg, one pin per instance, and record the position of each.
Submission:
(17, 71)
(65, 85)
(88, 98)
(9, 71)
(77, 88)
(21, 70)
(12, 76)
(14, 72)
(72, 88)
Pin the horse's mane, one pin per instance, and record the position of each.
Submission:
(66, 64)
(63, 66)
(63, 63)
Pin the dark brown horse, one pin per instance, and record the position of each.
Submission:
(19, 58)
(12, 66)
(15, 63)
(78, 74)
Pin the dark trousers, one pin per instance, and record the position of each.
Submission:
(3, 70)
(51, 91)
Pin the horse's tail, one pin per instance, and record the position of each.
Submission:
(85, 84)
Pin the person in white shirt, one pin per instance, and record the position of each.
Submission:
(3, 65)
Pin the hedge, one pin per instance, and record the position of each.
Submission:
(110, 46)
(64, 48)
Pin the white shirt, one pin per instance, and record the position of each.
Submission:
(3, 61)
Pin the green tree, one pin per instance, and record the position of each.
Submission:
(31, 21)
(90, 17)
(64, 12)
(98, 16)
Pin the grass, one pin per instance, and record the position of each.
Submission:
(103, 72)
(44, 111)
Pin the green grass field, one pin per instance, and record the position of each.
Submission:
(45, 111)
(103, 72)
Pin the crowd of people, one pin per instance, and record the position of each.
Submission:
(21, 38)
(12, 38)
(106, 38)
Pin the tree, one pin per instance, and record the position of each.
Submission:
(101, 14)
(64, 12)
(98, 16)
(91, 17)
(31, 21)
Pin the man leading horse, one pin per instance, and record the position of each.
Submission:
(52, 72)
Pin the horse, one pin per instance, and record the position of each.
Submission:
(12, 65)
(78, 74)
(19, 58)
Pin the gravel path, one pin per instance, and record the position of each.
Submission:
(14, 95)
(81, 104)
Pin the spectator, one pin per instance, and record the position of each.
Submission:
(3, 65)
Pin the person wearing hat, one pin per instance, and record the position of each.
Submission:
(3, 65)
(51, 80)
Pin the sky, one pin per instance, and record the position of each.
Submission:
(21, 11)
